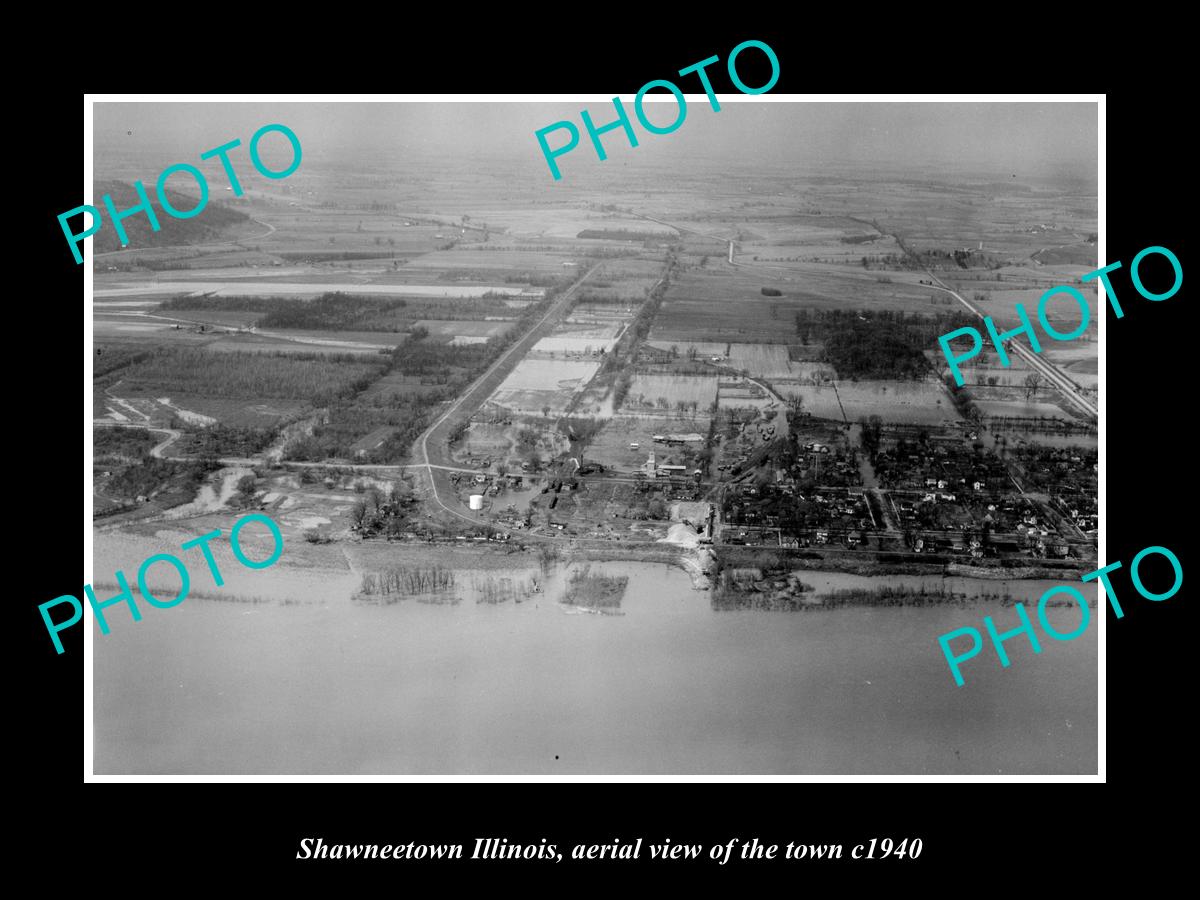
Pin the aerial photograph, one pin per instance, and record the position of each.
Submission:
(655, 468)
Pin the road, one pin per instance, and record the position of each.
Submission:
(157, 450)
(474, 397)
(1045, 369)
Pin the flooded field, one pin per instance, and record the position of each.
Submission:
(543, 383)
(665, 391)
(580, 340)
(918, 403)
(1021, 408)
(329, 685)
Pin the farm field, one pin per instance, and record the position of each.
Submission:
(542, 383)
(716, 304)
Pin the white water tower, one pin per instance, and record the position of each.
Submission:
(476, 502)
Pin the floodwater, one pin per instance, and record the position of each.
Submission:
(668, 686)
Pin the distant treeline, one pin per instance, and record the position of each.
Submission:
(877, 344)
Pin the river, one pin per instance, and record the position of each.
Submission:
(329, 686)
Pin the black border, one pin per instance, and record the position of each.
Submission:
(966, 828)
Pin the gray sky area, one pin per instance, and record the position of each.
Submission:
(1026, 138)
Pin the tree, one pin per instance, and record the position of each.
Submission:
(546, 412)
(358, 513)
(872, 428)
(375, 499)
(245, 488)
(400, 492)
(1032, 382)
